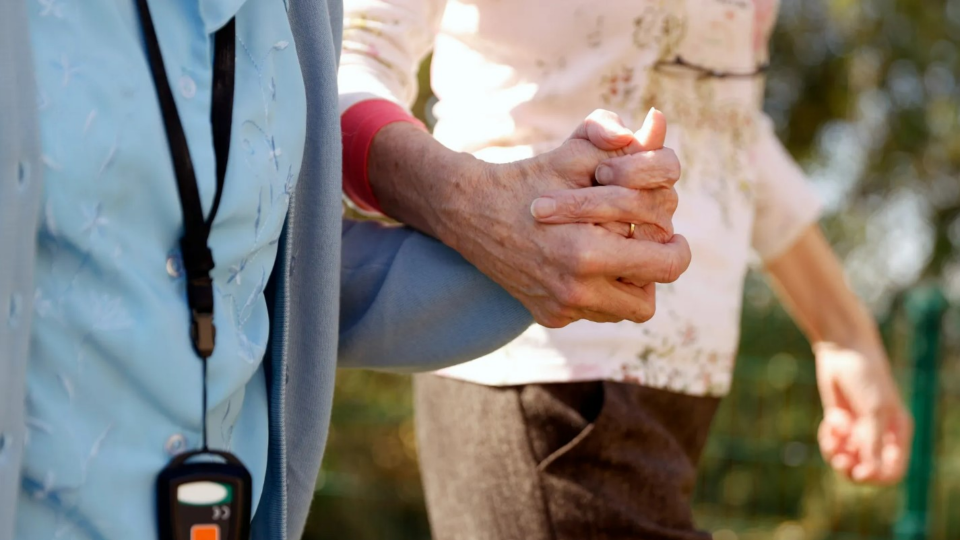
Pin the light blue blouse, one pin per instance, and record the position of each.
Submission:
(109, 303)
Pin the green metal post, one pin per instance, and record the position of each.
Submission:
(925, 307)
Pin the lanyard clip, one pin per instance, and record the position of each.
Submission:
(198, 261)
(202, 329)
(204, 333)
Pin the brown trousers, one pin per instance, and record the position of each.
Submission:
(574, 461)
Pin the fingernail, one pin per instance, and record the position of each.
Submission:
(649, 117)
(543, 207)
(647, 122)
(603, 174)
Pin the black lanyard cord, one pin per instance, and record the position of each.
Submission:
(197, 257)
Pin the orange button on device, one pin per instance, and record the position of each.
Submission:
(205, 532)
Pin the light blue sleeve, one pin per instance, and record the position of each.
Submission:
(409, 303)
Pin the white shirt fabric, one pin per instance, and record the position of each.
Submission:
(514, 78)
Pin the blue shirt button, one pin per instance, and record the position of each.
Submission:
(174, 265)
(188, 87)
(176, 444)
(3, 442)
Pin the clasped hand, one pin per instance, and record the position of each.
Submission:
(571, 256)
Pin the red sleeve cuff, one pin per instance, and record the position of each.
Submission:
(359, 124)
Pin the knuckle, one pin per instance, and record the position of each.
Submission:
(646, 311)
(670, 270)
(552, 321)
(664, 231)
(570, 314)
(572, 207)
(553, 315)
(660, 234)
(571, 296)
(652, 211)
(542, 318)
(663, 206)
(664, 221)
(671, 200)
(651, 167)
(581, 205)
(586, 262)
(629, 208)
(672, 169)
(559, 257)
(632, 169)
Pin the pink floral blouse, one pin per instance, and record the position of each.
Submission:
(514, 77)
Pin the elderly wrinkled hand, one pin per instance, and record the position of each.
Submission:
(578, 270)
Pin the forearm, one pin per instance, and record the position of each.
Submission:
(865, 432)
(408, 303)
(418, 181)
(810, 281)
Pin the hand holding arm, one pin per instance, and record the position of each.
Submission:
(561, 273)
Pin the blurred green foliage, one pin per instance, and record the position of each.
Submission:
(864, 94)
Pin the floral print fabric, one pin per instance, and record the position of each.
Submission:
(512, 79)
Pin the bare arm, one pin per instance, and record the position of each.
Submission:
(418, 181)
(866, 431)
(810, 281)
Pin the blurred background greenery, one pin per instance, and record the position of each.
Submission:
(864, 94)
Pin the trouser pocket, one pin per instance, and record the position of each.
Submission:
(560, 417)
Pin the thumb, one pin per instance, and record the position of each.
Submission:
(653, 133)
